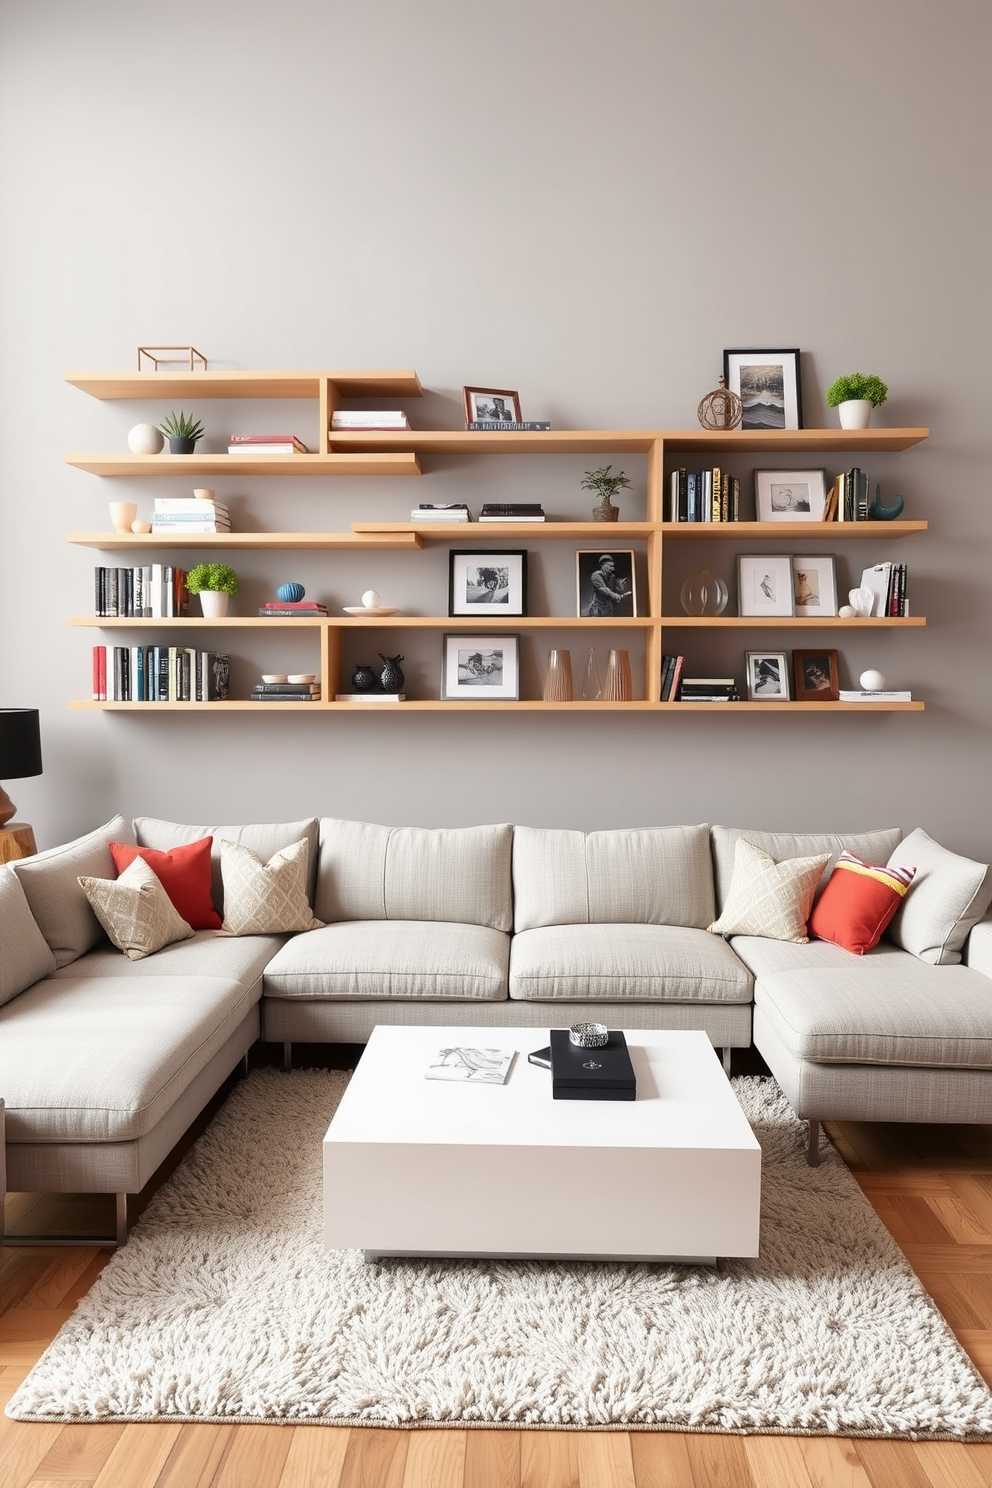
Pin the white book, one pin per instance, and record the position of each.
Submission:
(370, 697)
(878, 579)
(187, 504)
(471, 1066)
(387, 418)
(863, 696)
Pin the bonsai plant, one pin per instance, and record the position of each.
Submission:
(214, 583)
(854, 396)
(182, 432)
(606, 485)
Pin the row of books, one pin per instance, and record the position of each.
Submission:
(677, 688)
(371, 418)
(889, 582)
(159, 674)
(704, 496)
(150, 591)
(266, 444)
(183, 515)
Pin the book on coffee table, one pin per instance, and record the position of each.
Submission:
(472, 1066)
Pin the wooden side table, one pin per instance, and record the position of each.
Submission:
(16, 841)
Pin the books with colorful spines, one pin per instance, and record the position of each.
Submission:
(368, 419)
(488, 426)
(370, 697)
(237, 442)
(673, 692)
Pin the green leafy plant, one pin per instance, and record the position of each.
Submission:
(857, 385)
(181, 426)
(604, 482)
(215, 576)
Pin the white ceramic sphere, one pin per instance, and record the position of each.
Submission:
(372, 599)
(847, 612)
(139, 526)
(872, 680)
(145, 439)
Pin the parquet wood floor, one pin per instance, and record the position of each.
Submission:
(932, 1187)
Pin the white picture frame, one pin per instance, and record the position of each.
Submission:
(482, 667)
(764, 584)
(790, 495)
(814, 585)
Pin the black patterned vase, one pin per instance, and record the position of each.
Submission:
(391, 676)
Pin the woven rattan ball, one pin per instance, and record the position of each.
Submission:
(720, 409)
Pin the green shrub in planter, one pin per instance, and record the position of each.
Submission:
(215, 576)
(857, 385)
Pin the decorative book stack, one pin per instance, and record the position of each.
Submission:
(286, 692)
(708, 690)
(374, 418)
(440, 511)
(512, 511)
(288, 609)
(266, 444)
(184, 515)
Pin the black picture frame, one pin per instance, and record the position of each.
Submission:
(603, 595)
(487, 582)
(768, 384)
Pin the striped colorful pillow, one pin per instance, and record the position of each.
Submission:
(858, 902)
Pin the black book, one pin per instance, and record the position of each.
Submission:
(591, 1074)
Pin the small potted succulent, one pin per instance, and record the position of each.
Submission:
(854, 397)
(606, 485)
(214, 583)
(182, 432)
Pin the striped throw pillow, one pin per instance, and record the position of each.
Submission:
(858, 902)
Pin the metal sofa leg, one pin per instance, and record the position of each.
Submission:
(726, 1052)
(121, 1225)
(813, 1144)
(287, 1056)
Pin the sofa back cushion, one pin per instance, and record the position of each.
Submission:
(874, 847)
(25, 955)
(949, 895)
(368, 872)
(262, 838)
(629, 876)
(50, 881)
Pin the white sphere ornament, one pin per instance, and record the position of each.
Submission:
(847, 612)
(145, 439)
(372, 599)
(872, 680)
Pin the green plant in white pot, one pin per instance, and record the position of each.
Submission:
(854, 396)
(214, 583)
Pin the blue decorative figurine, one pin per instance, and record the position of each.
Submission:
(291, 593)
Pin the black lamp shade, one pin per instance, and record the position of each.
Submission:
(20, 743)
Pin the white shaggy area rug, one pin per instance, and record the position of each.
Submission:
(224, 1306)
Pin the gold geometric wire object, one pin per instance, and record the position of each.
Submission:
(720, 409)
(158, 359)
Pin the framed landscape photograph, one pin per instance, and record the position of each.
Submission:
(767, 676)
(491, 405)
(790, 495)
(767, 383)
(764, 584)
(487, 583)
(604, 583)
(480, 666)
(816, 676)
(814, 585)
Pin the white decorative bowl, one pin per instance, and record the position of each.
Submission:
(301, 677)
(275, 677)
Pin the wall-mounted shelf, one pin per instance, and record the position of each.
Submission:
(110, 542)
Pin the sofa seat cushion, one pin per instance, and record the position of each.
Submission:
(764, 957)
(392, 958)
(882, 1010)
(625, 963)
(208, 953)
(102, 1059)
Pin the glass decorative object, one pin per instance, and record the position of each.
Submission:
(704, 593)
(592, 687)
(558, 678)
(618, 686)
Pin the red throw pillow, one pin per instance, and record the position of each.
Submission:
(185, 876)
(858, 902)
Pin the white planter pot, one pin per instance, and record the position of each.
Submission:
(213, 603)
(855, 413)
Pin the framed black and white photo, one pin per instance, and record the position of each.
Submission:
(480, 666)
(790, 495)
(814, 585)
(767, 383)
(767, 676)
(764, 584)
(604, 582)
(481, 583)
(816, 675)
(491, 405)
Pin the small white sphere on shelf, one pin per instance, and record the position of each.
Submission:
(847, 612)
(145, 439)
(872, 680)
(372, 599)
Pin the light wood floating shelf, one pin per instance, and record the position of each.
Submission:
(110, 386)
(628, 441)
(839, 531)
(108, 542)
(799, 622)
(178, 466)
(486, 531)
(415, 705)
(722, 531)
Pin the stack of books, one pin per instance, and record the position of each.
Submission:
(671, 673)
(440, 511)
(285, 609)
(266, 444)
(286, 692)
(182, 514)
(489, 426)
(159, 674)
(708, 690)
(375, 418)
(512, 511)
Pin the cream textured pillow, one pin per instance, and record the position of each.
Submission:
(135, 911)
(266, 898)
(768, 898)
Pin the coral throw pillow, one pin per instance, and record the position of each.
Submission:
(185, 875)
(858, 903)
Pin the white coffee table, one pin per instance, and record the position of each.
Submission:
(424, 1167)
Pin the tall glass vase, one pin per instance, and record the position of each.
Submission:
(558, 679)
(592, 687)
(618, 685)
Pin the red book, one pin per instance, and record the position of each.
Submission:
(676, 679)
(293, 604)
(99, 674)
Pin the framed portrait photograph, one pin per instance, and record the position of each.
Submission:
(816, 677)
(767, 383)
(814, 585)
(767, 676)
(764, 584)
(604, 583)
(491, 405)
(790, 495)
(487, 583)
(480, 666)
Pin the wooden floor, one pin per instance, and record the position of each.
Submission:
(931, 1186)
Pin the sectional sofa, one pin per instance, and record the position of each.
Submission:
(105, 1061)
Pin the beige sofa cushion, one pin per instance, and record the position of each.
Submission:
(25, 955)
(625, 963)
(261, 838)
(50, 881)
(135, 910)
(874, 847)
(764, 957)
(458, 874)
(642, 876)
(266, 898)
(208, 953)
(948, 896)
(392, 958)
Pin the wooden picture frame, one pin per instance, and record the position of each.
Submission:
(491, 405)
(768, 384)
(480, 667)
(816, 676)
(487, 583)
(764, 584)
(814, 585)
(605, 583)
(790, 495)
(767, 676)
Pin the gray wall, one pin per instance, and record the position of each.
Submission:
(583, 203)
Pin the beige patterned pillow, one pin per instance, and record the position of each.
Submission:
(768, 898)
(266, 898)
(135, 911)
